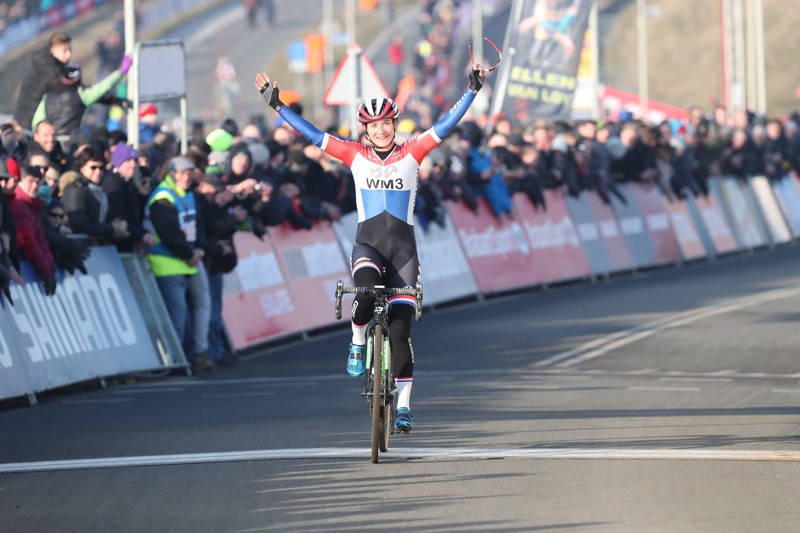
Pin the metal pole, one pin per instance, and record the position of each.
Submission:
(641, 18)
(327, 31)
(477, 31)
(738, 96)
(594, 32)
(351, 20)
(725, 40)
(355, 52)
(750, 65)
(129, 13)
(761, 67)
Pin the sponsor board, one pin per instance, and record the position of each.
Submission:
(770, 211)
(741, 212)
(257, 305)
(498, 253)
(658, 223)
(313, 263)
(444, 270)
(710, 220)
(557, 250)
(686, 233)
(91, 327)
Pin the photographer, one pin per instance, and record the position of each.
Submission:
(215, 205)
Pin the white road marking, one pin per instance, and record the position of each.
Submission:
(240, 395)
(602, 345)
(99, 400)
(146, 391)
(697, 379)
(667, 389)
(405, 454)
(786, 391)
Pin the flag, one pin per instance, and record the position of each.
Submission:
(544, 40)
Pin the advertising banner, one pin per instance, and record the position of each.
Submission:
(445, 271)
(599, 232)
(90, 328)
(557, 251)
(770, 210)
(689, 239)
(499, 254)
(788, 196)
(540, 77)
(256, 304)
(632, 226)
(744, 218)
(712, 224)
(313, 263)
(658, 223)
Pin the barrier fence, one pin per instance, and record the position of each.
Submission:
(112, 321)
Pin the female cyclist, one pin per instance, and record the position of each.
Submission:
(385, 250)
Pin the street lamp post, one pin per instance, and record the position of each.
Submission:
(641, 19)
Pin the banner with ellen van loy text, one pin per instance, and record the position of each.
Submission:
(544, 39)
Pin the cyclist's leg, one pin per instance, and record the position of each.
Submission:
(367, 270)
(400, 316)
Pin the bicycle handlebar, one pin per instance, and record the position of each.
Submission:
(379, 291)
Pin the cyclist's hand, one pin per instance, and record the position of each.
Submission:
(268, 90)
(476, 75)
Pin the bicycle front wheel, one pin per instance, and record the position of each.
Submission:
(378, 421)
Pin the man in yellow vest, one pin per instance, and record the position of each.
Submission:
(176, 258)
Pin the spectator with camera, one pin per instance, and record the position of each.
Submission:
(43, 76)
(65, 102)
(215, 205)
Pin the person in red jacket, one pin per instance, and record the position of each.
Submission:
(26, 207)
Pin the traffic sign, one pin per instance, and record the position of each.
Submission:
(297, 56)
(343, 88)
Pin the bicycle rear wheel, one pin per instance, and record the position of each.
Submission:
(378, 416)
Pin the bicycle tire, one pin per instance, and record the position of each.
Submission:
(378, 425)
(386, 398)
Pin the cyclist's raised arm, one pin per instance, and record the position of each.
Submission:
(457, 112)
(336, 147)
(269, 92)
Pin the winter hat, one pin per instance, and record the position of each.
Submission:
(147, 109)
(259, 153)
(219, 140)
(123, 152)
(70, 74)
(180, 162)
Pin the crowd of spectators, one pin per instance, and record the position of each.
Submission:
(249, 177)
(13, 11)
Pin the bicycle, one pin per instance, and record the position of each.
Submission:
(379, 389)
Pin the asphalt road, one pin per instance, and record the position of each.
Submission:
(666, 401)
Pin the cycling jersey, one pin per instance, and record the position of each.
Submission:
(386, 189)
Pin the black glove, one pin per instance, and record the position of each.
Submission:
(475, 79)
(269, 93)
(49, 286)
(83, 251)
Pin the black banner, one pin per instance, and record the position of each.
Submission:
(544, 39)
